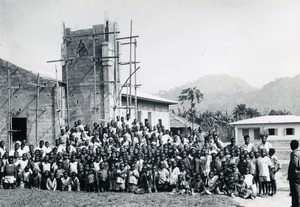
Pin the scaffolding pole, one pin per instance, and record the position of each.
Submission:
(135, 83)
(95, 73)
(115, 71)
(119, 98)
(9, 109)
(36, 109)
(130, 68)
(57, 98)
(67, 77)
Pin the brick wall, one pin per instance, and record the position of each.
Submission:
(23, 103)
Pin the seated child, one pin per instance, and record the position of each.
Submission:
(75, 184)
(230, 186)
(51, 183)
(182, 186)
(212, 184)
(35, 179)
(197, 184)
(65, 182)
(242, 189)
(26, 177)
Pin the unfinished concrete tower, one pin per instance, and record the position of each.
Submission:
(89, 73)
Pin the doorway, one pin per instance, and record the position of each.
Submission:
(19, 125)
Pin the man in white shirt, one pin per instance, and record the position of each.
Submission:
(264, 144)
(249, 147)
(128, 121)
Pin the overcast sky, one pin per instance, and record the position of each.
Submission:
(180, 41)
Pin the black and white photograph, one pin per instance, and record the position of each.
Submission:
(150, 103)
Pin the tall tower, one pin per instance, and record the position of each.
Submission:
(89, 73)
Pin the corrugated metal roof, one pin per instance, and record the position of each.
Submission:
(149, 97)
(269, 120)
(180, 122)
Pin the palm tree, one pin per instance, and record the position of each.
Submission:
(252, 112)
(194, 96)
(279, 112)
(239, 112)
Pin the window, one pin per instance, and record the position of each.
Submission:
(146, 122)
(273, 131)
(159, 122)
(245, 132)
(289, 131)
(139, 116)
(150, 117)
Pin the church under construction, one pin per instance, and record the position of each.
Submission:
(34, 107)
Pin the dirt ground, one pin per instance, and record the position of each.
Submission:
(282, 198)
(39, 198)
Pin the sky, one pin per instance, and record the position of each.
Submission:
(179, 41)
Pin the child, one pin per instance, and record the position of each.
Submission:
(51, 183)
(133, 176)
(73, 165)
(37, 163)
(26, 177)
(242, 189)
(121, 178)
(212, 184)
(103, 178)
(174, 172)
(46, 165)
(182, 186)
(10, 174)
(274, 168)
(75, 184)
(144, 181)
(91, 179)
(263, 164)
(21, 164)
(35, 179)
(112, 174)
(59, 173)
(66, 182)
(230, 186)
(163, 178)
(45, 177)
(197, 184)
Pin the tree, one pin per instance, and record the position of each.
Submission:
(194, 96)
(239, 112)
(252, 112)
(279, 112)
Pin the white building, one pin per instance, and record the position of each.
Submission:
(285, 127)
(150, 108)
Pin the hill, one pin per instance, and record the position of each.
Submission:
(211, 84)
(223, 93)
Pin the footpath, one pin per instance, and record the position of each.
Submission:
(281, 199)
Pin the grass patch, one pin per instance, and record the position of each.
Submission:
(37, 198)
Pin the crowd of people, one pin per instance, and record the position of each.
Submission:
(126, 156)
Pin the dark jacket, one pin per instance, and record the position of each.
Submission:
(294, 166)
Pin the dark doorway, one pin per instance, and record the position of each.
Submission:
(19, 125)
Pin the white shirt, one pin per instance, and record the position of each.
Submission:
(263, 164)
